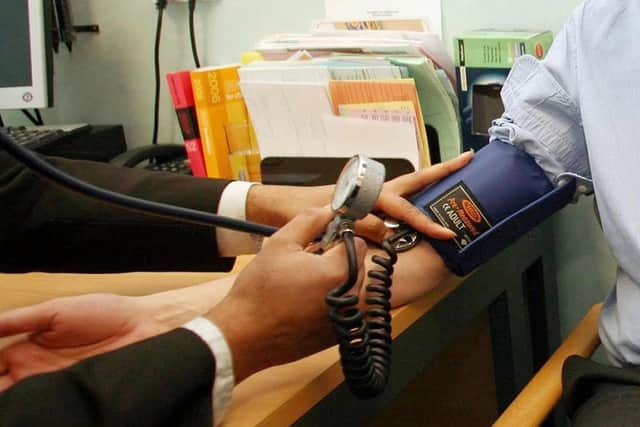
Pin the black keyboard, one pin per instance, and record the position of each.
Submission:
(32, 138)
(38, 137)
(45, 138)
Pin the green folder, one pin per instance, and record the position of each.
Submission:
(438, 109)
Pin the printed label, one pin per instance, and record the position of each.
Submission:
(458, 210)
(463, 79)
(188, 123)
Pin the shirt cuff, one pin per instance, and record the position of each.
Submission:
(233, 204)
(224, 380)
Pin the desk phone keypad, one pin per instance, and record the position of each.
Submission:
(180, 166)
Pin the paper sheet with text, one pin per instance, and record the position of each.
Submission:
(431, 10)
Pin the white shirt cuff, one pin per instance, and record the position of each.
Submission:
(224, 380)
(233, 204)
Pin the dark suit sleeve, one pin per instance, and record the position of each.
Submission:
(163, 381)
(44, 227)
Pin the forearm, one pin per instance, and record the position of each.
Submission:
(417, 272)
(176, 307)
(49, 228)
(277, 204)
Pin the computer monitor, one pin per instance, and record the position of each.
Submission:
(26, 68)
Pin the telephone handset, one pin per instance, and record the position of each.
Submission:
(160, 153)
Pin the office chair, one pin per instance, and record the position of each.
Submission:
(536, 400)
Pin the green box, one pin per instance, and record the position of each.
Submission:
(483, 61)
(499, 49)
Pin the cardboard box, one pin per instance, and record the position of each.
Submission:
(483, 61)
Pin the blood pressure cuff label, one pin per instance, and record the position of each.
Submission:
(457, 210)
(499, 196)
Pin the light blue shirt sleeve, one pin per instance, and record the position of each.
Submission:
(542, 116)
(584, 97)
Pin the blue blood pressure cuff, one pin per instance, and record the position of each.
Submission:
(500, 195)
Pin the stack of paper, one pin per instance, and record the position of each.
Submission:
(383, 89)
(283, 46)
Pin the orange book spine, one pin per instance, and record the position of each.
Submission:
(210, 109)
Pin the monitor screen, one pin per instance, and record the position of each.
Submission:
(25, 54)
(487, 105)
(15, 57)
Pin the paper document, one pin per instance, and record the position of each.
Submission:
(348, 136)
(368, 91)
(318, 73)
(287, 117)
(349, 10)
(280, 72)
(384, 112)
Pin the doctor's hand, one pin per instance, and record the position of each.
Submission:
(276, 311)
(276, 205)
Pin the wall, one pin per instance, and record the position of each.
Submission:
(109, 79)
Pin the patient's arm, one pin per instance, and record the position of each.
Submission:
(417, 272)
(176, 307)
(117, 321)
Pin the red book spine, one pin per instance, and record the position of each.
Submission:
(182, 96)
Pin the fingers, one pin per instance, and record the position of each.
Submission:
(32, 319)
(305, 227)
(391, 202)
(411, 183)
(337, 256)
(373, 228)
(403, 210)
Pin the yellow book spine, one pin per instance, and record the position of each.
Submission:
(235, 108)
(210, 109)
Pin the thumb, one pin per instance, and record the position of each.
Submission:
(337, 256)
(37, 318)
(305, 227)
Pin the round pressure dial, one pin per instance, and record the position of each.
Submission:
(358, 187)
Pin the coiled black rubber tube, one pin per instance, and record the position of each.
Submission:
(365, 343)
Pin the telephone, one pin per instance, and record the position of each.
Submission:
(165, 157)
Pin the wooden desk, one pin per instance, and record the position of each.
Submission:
(311, 391)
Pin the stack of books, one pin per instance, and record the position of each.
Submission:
(213, 117)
